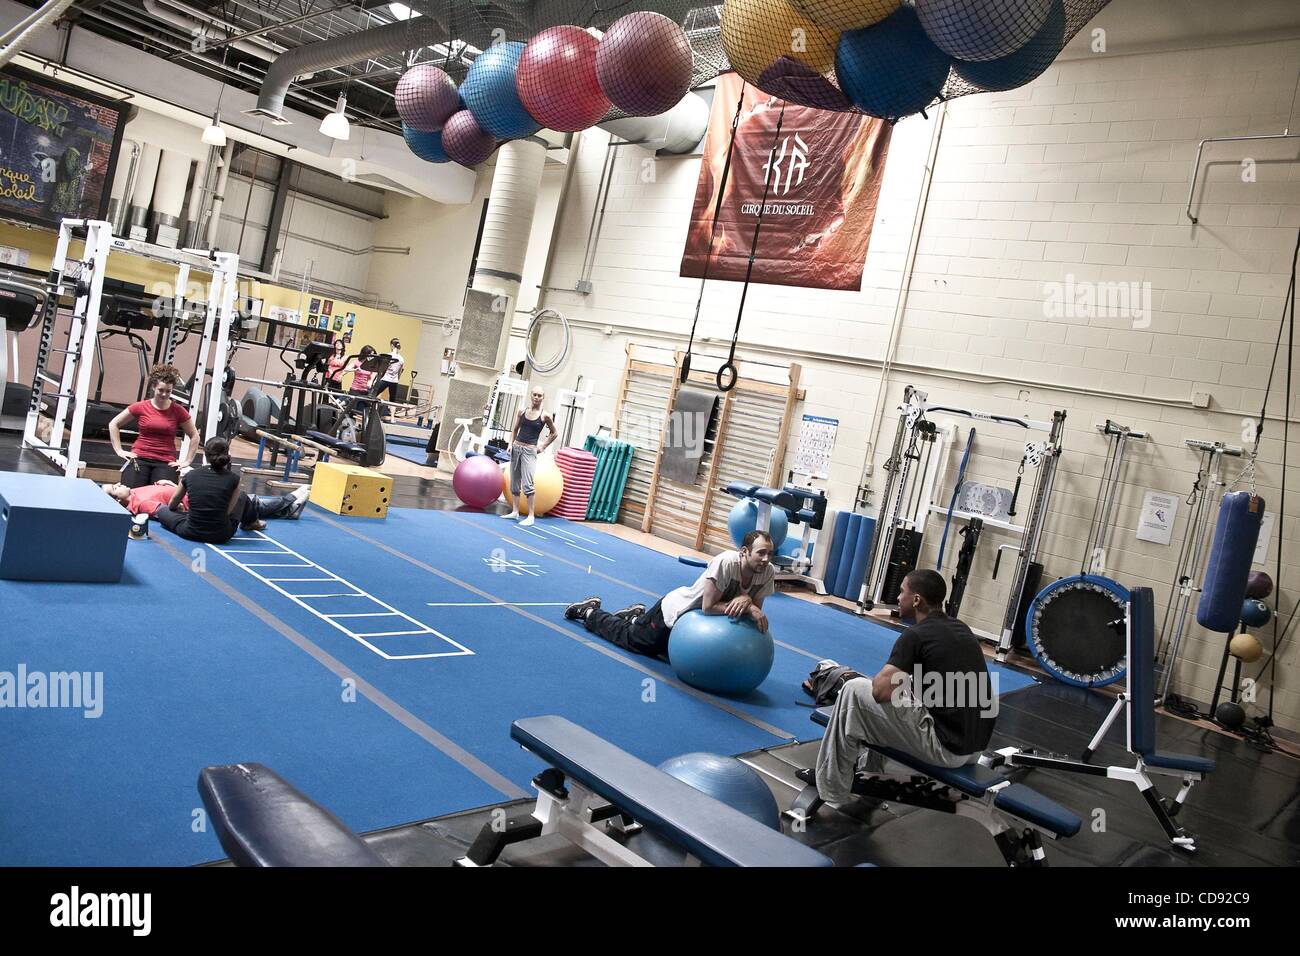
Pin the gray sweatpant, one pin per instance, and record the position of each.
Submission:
(858, 720)
(523, 468)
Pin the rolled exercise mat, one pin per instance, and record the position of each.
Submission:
(847, 554)
(613, 461)
(835, 553)
(1226, 570)
(579, 470)
(821, 553)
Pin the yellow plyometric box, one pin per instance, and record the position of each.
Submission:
(351, 490)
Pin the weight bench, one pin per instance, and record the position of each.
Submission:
(263, 820)
(1016, 815)
(592, 786)
(1137, 702)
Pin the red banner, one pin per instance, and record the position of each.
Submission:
(821, 202)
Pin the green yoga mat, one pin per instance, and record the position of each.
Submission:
(613, 460)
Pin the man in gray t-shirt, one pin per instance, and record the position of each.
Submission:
(735, 583)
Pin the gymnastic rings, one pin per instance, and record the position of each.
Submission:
(558, 360)
(727, 374)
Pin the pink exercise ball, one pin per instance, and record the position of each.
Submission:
(426, 98)
(465, 142)
(477, 481)
(556, 80)
(644, 64)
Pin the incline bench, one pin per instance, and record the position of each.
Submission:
(1013, 813)
(591, 782)
(262, 820)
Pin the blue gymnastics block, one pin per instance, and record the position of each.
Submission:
(60, 529)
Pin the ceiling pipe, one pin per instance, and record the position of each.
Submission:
(31, 27)
(191, 20)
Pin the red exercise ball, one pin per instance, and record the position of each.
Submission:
(644, 64)
(464, 141)
(556, 80)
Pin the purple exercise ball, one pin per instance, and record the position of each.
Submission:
(465, 141)
(1259, 585)
(477, 481)
(644, 63)
(426, 98)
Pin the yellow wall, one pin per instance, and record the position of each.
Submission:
(373, 326)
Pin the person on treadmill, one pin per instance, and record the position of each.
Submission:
(153, 455)
(933, 699)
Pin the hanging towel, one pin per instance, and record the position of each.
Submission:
(684, 443)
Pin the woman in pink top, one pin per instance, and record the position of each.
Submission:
(338, 362)
(361, 379)
(153, 456)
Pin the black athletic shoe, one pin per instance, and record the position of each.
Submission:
(576, 612)
(807, 775)
(631, 613)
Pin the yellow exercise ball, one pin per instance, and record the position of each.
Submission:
(1245, 648)
(548, 485)
(758, 33)
(846, 14)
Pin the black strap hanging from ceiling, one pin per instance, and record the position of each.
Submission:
(713, 231)
(727, 374)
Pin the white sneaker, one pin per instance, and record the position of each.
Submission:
(299, 496)
(526, 522)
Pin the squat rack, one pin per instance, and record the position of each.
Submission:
(83, 279)
(1043, 455)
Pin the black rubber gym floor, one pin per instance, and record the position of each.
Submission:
(1246, 813)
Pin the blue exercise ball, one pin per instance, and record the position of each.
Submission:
(728, 781)
(981, 29)
(891, 69)
(716, 653)
(428, 146)
(489, 93)
(1023, 66)
(1254, 613)
(744, 519)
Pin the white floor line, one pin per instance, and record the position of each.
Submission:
(524, 547)
(589, 551)
(569, 534)
(356, 592)
(496, 604)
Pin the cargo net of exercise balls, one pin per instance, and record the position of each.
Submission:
(510, 68)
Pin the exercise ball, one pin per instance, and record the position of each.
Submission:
(556, 80)
(644, 64)
(477, 481)
(428, 146)
(426, 98)
(791, 547)
(1023, 66)
(1230, 715)
(1255, 613)
(489, 93)
(1259, 584)
(794, 82)
(728, 781)
(548, 486)
(716, 653)
(981, 29)
(465, 141)
(757, 33)
(744, 519)
(1245, 648)
(891, 70)
(845, 14)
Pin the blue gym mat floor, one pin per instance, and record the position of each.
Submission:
(376, 664)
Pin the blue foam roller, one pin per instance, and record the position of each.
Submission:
(846, 554)
(1235, 535)
(861, 552)
(839, 529)
(60, 529)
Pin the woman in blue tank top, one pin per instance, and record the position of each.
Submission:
(524, 452)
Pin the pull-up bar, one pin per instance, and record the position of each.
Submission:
(1026, 423)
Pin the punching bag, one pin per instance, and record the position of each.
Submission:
(1226, 570)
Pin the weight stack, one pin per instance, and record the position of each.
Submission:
(902, 561)
(579, 470)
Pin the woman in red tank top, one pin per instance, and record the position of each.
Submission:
(153, 456)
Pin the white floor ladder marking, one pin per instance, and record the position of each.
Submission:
(333, 586)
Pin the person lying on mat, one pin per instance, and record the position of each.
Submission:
(153, 454)
(150, 498)
(217, 508)
(524, 451)
(735, 583)
(934, 698)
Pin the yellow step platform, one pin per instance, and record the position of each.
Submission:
(351, 490)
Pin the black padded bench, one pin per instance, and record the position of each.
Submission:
(591, 783)
(263, 820)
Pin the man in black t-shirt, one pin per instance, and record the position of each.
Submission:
(934, 698)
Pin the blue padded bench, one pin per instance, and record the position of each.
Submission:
(348, 449)
(263, 820)
(591, 781)
(1002, 807)
(60, 529)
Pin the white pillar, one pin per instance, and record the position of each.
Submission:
(138, 216)
(169, 197)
